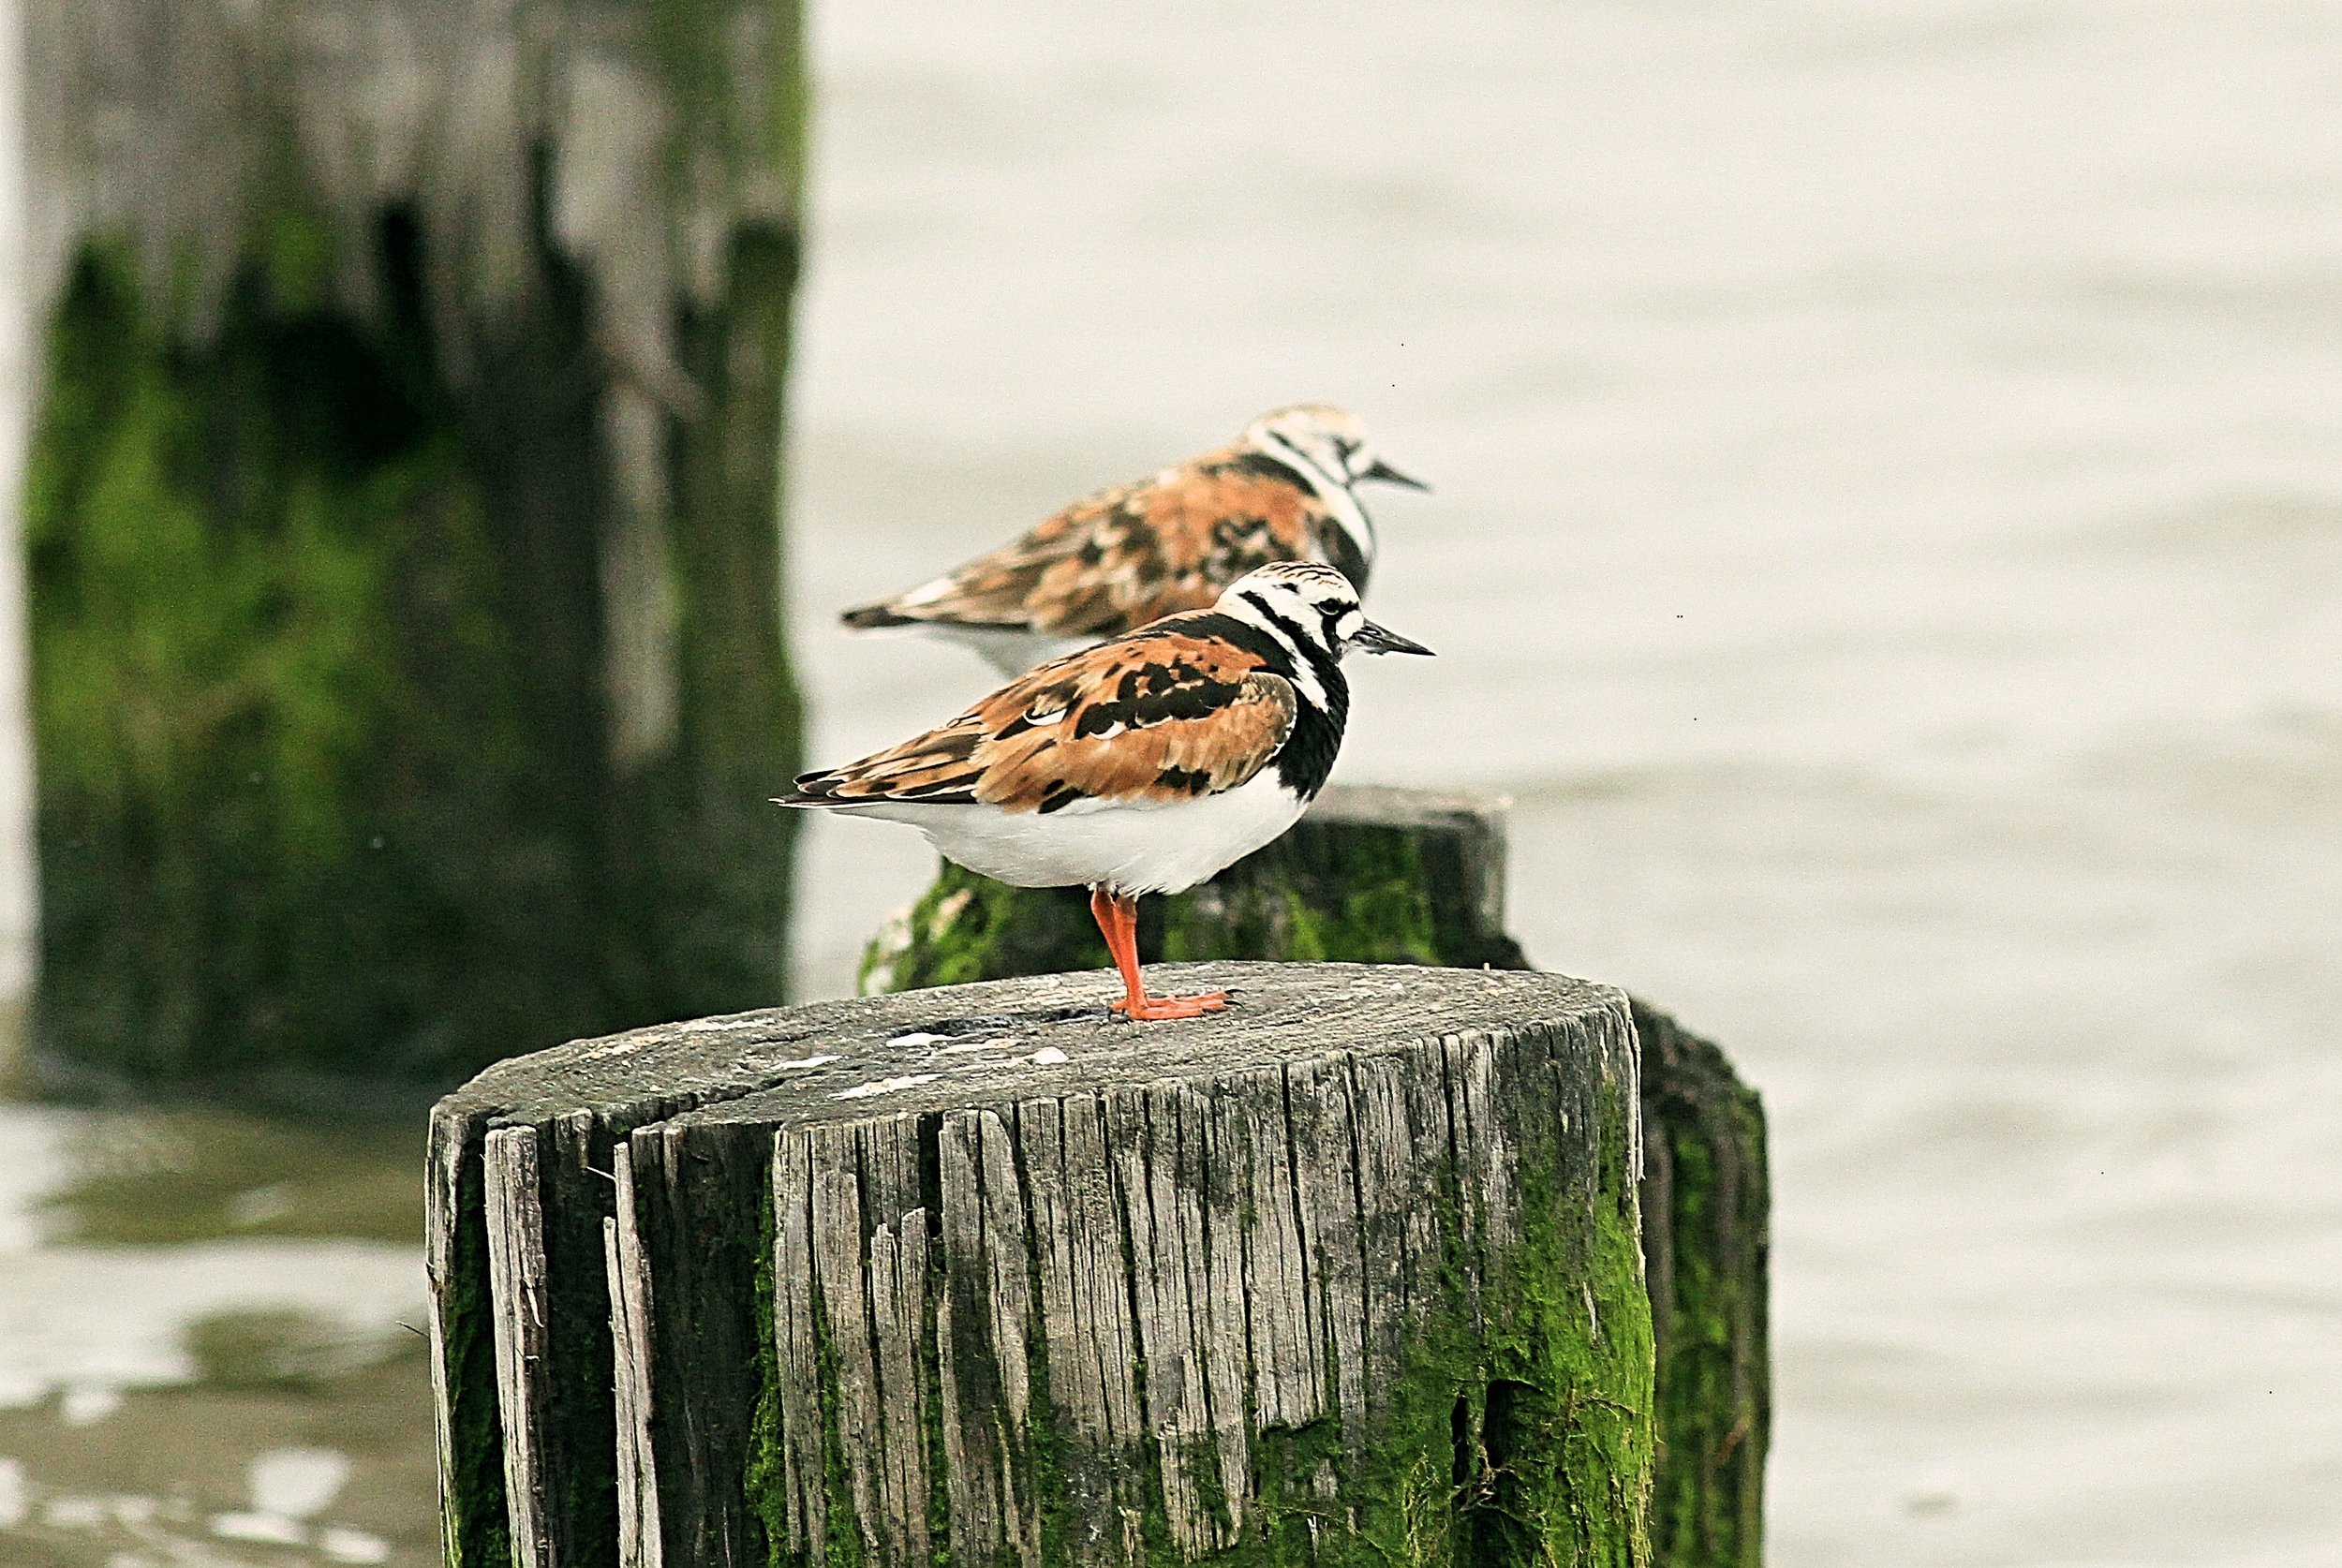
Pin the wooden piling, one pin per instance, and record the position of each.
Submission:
(402, 527)
(1349, 1274)
(1417, 876)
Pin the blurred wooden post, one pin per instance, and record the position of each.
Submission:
(404, 560)
(1346, 1274)
(1707, 1206)
(1417, 876)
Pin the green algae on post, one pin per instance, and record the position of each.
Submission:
(1706, 1212)
(1370, 876)
(1350, 1278)
(405, 580)
(1395, 875)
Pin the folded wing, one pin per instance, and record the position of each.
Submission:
(1144, 720)
(1120, 559)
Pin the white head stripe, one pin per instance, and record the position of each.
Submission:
(1303, 676)
(1329, 488)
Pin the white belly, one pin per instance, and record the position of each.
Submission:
(1127, 849)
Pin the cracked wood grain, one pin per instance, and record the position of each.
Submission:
(1265, 1261)
(516, 1286)
(639, 1545)
(843, 1302)
(984, 1316)
(800, 1401)
(917, 1299)
(899, 1302)
(1332, 1228)
(1193, 1422)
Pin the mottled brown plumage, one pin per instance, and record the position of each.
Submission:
(1143, 764)
(1127, 556)
(1166, 715)
(1118, 559)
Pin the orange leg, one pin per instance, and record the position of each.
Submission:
(1119, 919)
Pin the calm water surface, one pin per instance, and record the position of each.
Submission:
(208, 1354)
(1889, 542)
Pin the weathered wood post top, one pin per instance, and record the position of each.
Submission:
(980, 1274)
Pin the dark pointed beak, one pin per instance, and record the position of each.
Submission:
(1381, 640)
(1389, 475)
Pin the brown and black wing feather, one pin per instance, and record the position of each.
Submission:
(1168, 715)
(1125, 557)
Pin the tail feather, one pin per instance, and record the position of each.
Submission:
(871, 617)
(819, 788)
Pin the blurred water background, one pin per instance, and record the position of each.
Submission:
(1888, 542)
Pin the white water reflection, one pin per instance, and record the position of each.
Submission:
(194, 1398)
(296, 1483)
(89, 1320)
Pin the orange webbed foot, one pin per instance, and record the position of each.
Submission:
(1155, 1009)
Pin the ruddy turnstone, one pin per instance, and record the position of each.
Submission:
(1117, 560)
(1144, 765)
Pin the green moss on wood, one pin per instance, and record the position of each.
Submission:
(214, 537)
(320, 719)
(1362, 891)
(1706, 1171)
(1521, 1427)
(695, 863)
(1359, 895)
(1330, 889)
(1525, 1439)
(1519, 1430)
(1042, 1452)
(766, 1470)
(842, 1538)
(969, 928)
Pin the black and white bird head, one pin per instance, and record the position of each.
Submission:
(1323, 442)
(1312, 610)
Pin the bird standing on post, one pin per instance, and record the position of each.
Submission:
(1284, 491)
(1144, 765)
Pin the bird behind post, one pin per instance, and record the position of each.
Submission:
(1286, 490)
